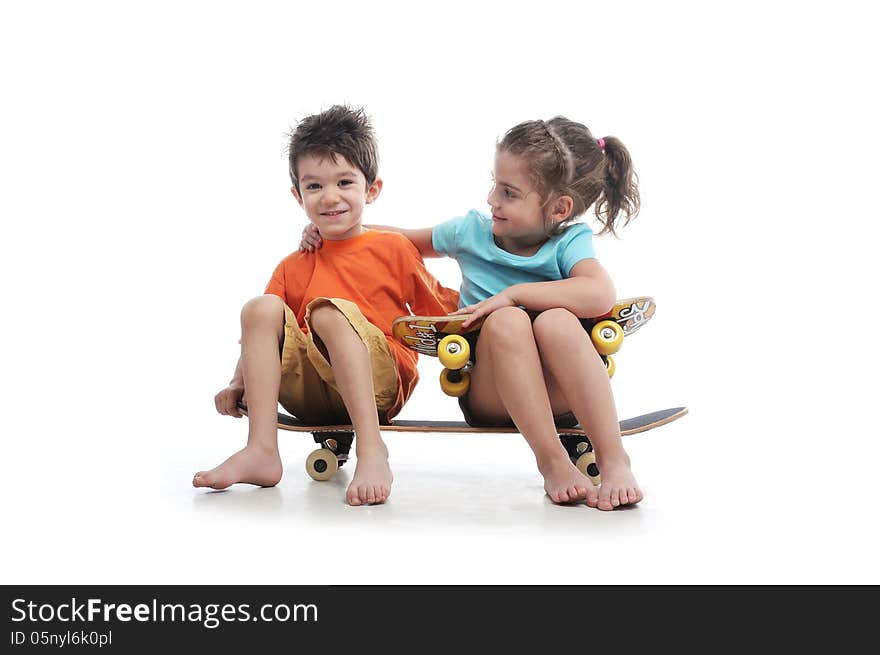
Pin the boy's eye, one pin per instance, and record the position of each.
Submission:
(313, 186)
(345, 182)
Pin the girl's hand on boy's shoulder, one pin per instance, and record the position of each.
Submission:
(486, 307)
(311, 239)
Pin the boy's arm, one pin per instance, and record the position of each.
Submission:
(226, 401)
(421, 238)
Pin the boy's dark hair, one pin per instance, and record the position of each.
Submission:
(338, 131)
(566, 160)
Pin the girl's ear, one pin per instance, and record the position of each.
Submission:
(374, 190)
(561, 208)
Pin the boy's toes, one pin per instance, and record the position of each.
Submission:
(205, 479)
(615, 497)
(592, 497)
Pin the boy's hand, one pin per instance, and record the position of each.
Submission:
(226, 401)
(486, 307)
(311, 239)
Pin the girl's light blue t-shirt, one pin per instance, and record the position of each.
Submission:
(487, 269)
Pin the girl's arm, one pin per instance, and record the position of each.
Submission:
(421, 238)
(587, 293)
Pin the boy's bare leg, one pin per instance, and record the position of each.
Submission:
(262, 332)
(508, 380)
(572, 359)
(354, 378)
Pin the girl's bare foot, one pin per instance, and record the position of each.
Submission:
(619, 486)
(251, 465)
(372, 479)
(564, 483)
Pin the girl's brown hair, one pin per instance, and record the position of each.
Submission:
(566, 160)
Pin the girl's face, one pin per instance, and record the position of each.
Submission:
(519, 220)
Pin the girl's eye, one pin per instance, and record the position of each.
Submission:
(508, 193)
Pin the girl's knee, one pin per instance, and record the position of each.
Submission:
(263, 308)
(507, 324)
(555, 323)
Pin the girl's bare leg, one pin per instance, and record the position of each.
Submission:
(354, 378)
(262, 333)
(568, 353)
(508, 381)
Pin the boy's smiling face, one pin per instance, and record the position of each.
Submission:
(333, 195)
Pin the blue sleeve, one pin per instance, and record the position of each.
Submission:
(445, 237)
(576, 245)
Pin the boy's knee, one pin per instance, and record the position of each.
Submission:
(263, 308)
(554, 323)
(508, 324)
(326, 316)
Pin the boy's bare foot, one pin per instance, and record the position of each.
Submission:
(372, 479)
(250, 464)
(564, 483)
(619, 486)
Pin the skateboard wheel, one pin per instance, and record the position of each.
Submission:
(322, 464)
(607, 337)
(454, 351)
(454, 383)
(586, 464)
(609, 364)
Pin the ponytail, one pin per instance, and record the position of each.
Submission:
(565, 159)
(621, 192)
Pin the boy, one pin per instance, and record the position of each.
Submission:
(319, 340)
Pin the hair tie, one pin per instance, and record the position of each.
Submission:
(601, 143)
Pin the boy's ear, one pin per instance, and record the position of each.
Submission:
(374, 190)
(562, 208)
(296, 195)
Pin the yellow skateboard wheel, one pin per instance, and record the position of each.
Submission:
(607, 337)
(609, 364)
(322, 464)
(452, 386)
(454, 351)
(586, 464)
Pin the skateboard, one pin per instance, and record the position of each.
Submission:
(335, 440)
(445, 338)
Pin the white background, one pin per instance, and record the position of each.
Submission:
(145, 199)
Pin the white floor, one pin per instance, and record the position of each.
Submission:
(115, 505)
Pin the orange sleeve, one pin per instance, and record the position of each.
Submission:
(425, 295)
(276, 284)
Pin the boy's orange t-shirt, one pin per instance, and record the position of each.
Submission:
(382, 273)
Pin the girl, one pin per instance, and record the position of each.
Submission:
(530, 254)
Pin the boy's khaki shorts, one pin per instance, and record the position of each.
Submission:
(308, 385)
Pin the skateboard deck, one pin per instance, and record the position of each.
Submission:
(336, 440)
(424, 333)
